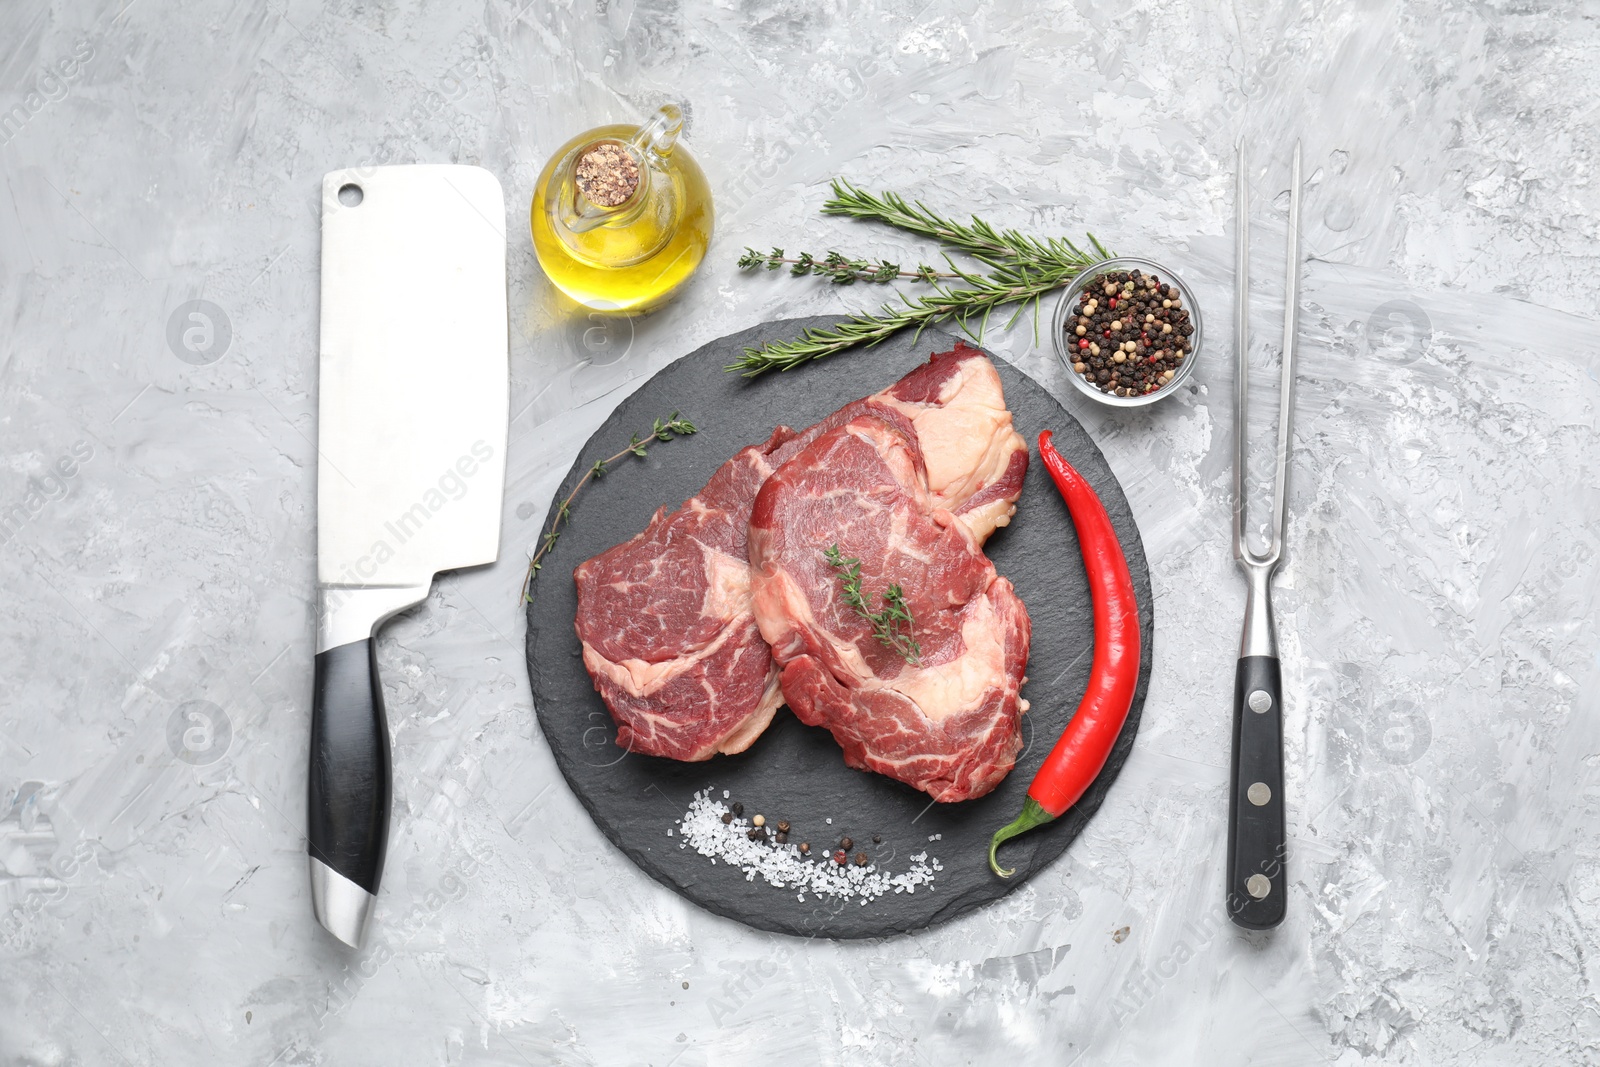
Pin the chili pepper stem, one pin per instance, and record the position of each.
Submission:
(1033, 814)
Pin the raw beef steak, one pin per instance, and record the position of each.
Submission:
(665, 617)
(948, 723)
(666, 625)
(975, 458)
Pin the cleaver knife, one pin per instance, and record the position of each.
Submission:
(412, 412)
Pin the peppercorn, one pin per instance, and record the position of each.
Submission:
(877, 839)
(783, 826)
(805, 848)
(760, 820)
(846, 844)
(757, 834)
(861, 859)
(1135, 301)
(738, 808)
(841, 857)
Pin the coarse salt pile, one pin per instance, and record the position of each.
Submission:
(702, 829)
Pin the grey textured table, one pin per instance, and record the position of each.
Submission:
(1438, 607)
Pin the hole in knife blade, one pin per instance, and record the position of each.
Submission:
(350, 194)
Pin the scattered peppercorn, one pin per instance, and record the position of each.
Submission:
(846, 844)
(877, 839)
(805, 848)
(727, 817)
(783, 826)
(841, 857)
(760, 820)
(782, 838)
(738, 808)
(757, 834)
(1134, 301)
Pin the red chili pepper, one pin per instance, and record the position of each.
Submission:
(1086, 743)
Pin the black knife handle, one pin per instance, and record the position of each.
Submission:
(1257, 842)
(347, 802)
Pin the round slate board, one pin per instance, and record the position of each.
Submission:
(793, 771)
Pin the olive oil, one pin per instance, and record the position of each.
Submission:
(632, 255)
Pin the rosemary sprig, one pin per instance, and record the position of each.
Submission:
(978, 239)
(976, 301)
(839, 268)
(886, 624)
(660, 430)
(1022, 270)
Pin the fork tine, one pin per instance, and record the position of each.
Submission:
(1241, 341)
(1291, 331)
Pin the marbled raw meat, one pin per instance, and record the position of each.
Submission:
(665, 621)
(948, 723)
(665, 617)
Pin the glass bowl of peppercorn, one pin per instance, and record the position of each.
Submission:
(1128, 331)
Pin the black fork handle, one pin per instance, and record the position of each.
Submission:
(1257, 840)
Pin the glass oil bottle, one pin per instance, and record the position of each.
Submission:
(622, 215)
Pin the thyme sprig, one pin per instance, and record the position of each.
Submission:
(886, 623)
(660, 430)
(839, 268)
(1022, 269)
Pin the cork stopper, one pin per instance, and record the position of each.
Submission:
(607, 174)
